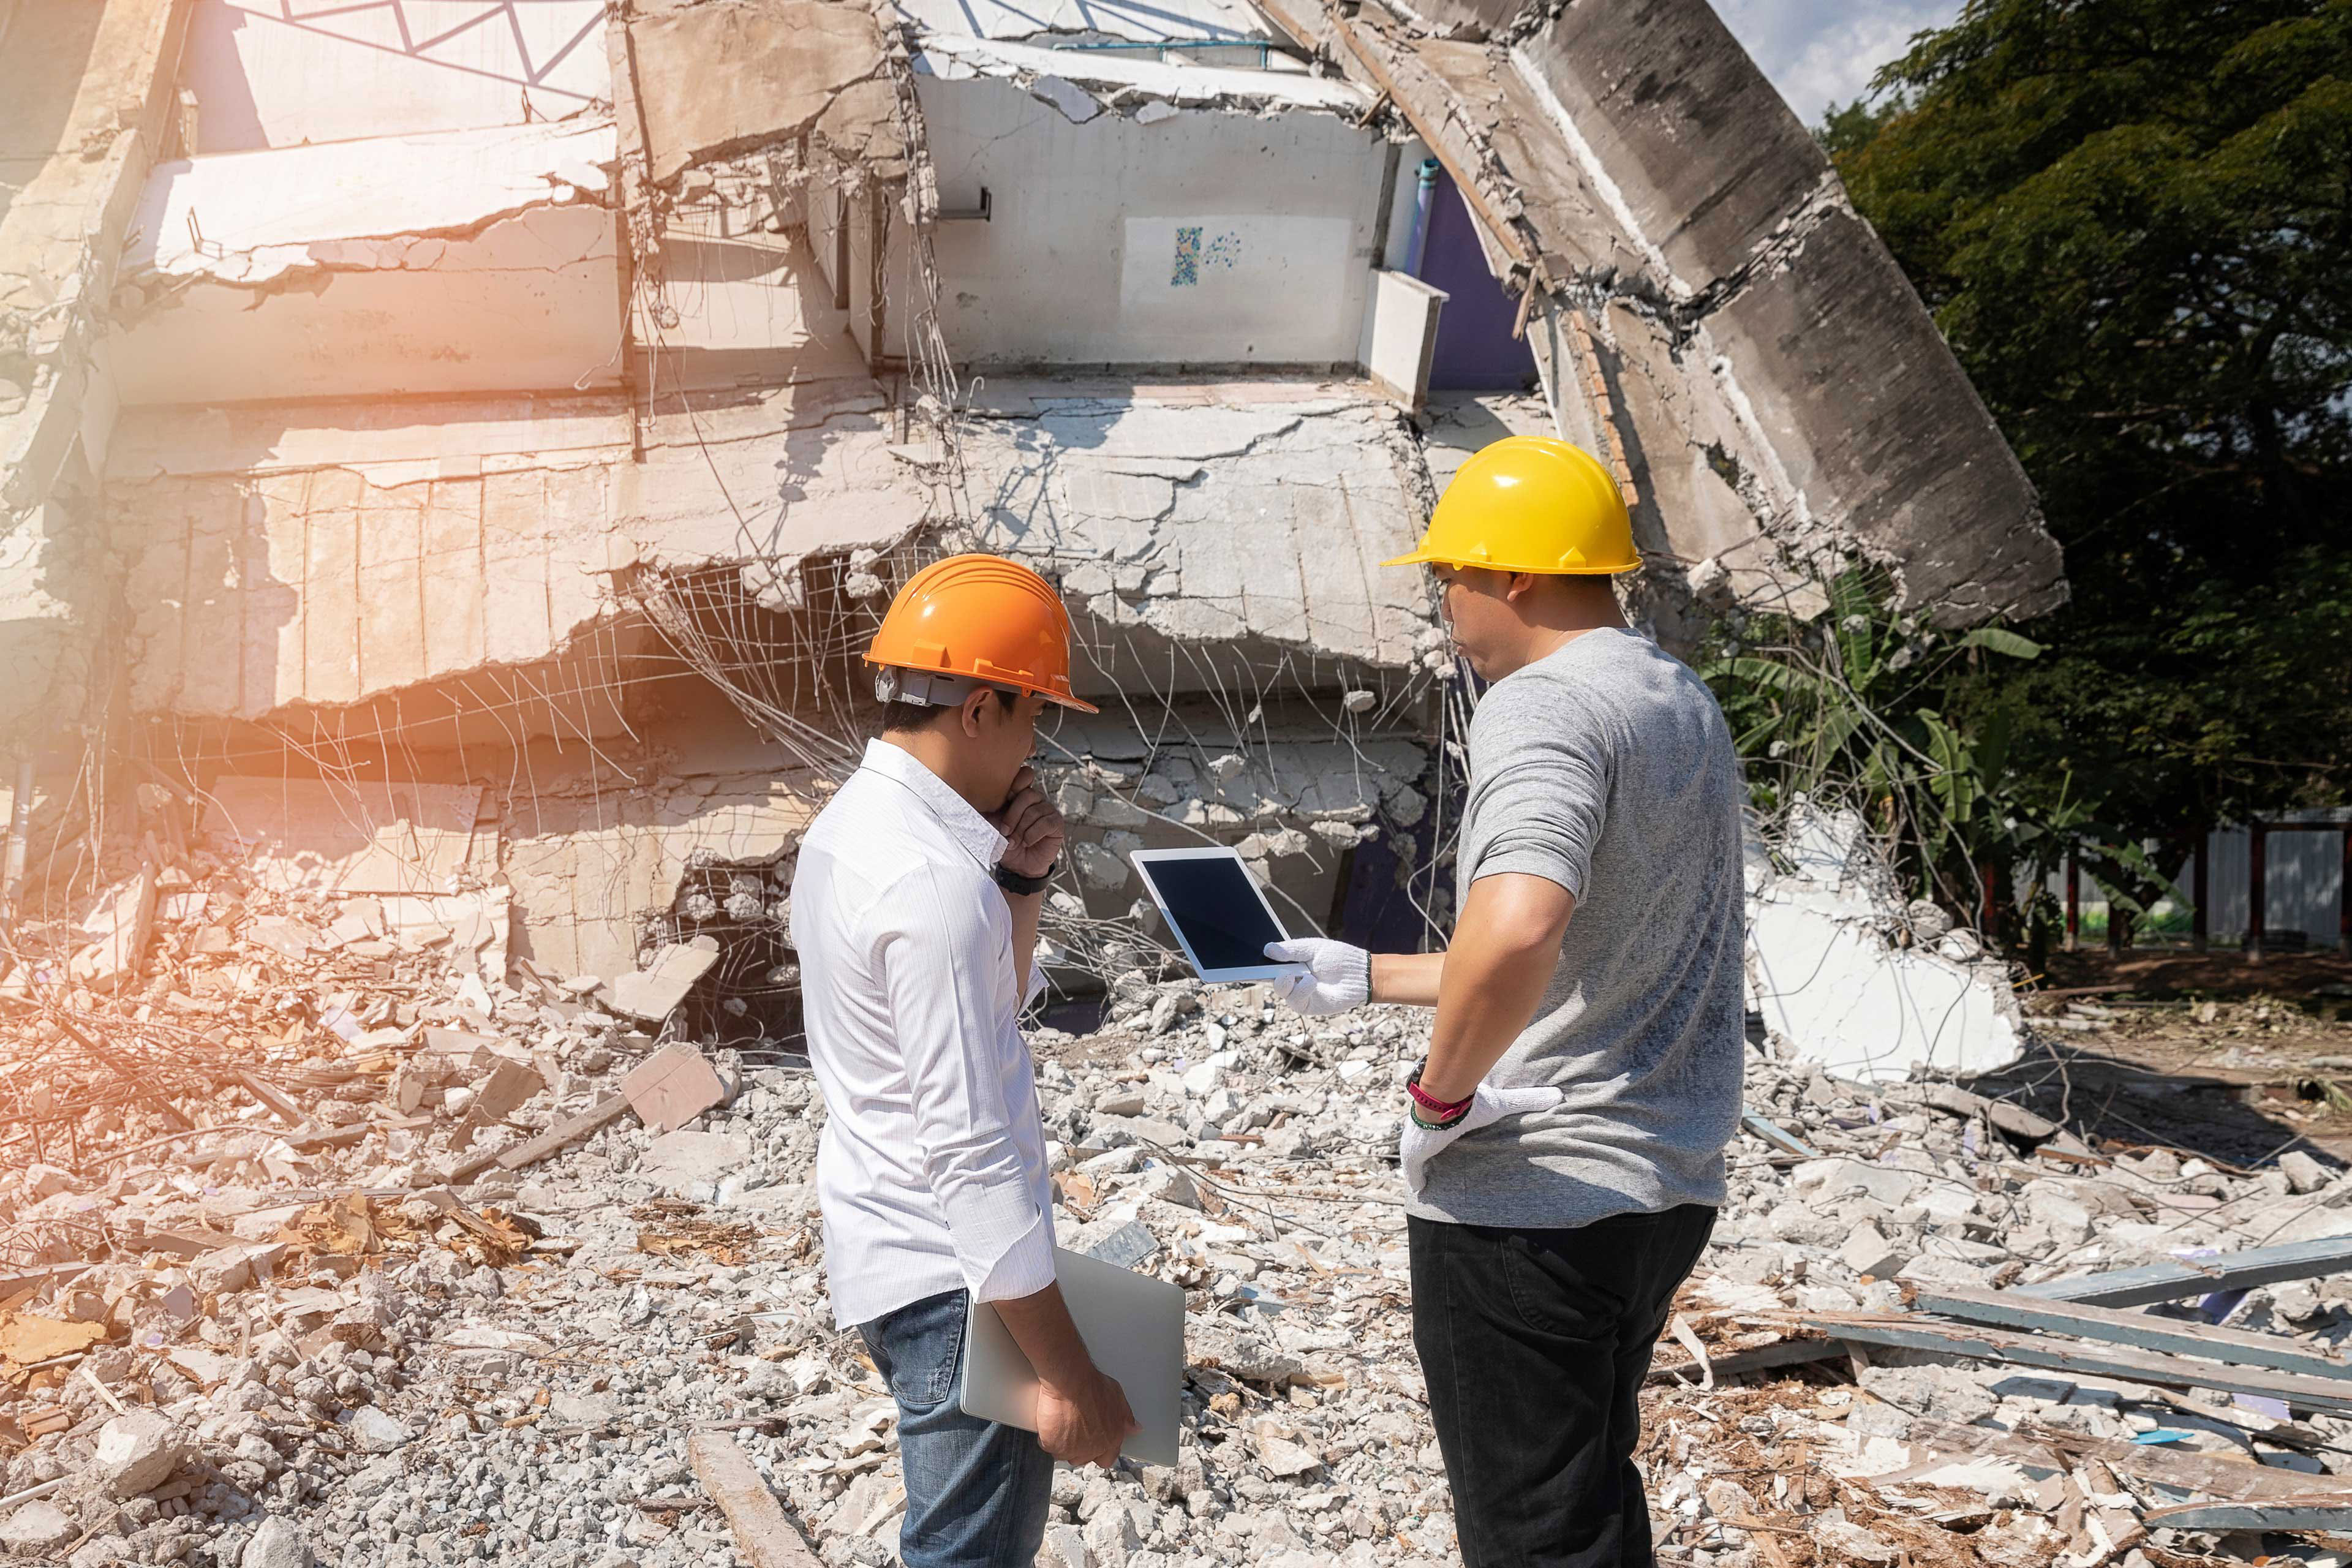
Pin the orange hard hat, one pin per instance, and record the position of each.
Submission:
(983, 619)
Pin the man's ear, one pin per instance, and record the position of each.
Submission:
(968, 713)
(1520, 584)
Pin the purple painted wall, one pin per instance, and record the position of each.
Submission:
(1475, 352)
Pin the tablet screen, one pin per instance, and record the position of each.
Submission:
(1213, 900)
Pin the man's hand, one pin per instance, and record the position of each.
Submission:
(1032, 829)
(1417, 1144)
(1338, 975)
(1084, 1425)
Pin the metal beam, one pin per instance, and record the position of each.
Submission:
(2088, 1360)
(2285, 1514)
(2198, 1276)
(2013, 1310)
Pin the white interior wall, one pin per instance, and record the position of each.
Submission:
(265, 74)
(1084, 259)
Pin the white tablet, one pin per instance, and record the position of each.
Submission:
(1216, 909)
(1134, 1328)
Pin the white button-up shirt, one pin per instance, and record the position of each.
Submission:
(932, 1169)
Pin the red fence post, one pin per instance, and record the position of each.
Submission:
(2201, 885)
(2074, 900)
(2258, 836)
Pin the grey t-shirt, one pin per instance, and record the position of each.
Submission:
(1606, 767)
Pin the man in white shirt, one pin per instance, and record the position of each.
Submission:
(914, 906)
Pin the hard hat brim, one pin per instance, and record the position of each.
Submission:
(1427, 558)
(1060, 699)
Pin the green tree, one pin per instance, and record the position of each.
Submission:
(2133, 221)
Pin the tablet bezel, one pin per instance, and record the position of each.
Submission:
(1145, 858)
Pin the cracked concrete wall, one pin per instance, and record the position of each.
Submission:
(85, 89)
(792, 68)
(317, 555)
(1207, 534)
(1151, 234)
(463, 261)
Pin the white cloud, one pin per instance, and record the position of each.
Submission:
(1819, 52)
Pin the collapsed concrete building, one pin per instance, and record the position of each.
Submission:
(454, 452)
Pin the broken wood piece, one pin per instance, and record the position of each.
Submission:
(1786, 1142)
(654, 992)
(2199, 1275)
(1763, 1358)
(672, 1087)
(765, 1536)
(2012, 1310)
(1908, 1332)
(562, 1133)
(281, 1104)
(2013, 1120)
(2221, 1475)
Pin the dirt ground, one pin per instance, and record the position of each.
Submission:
(2233, 1060)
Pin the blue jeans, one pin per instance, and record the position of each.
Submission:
(977, 1491)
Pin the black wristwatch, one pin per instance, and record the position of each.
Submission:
(1013, 881)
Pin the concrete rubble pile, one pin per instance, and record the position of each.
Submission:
(465, 1261)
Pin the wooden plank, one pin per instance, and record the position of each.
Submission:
(281, 1105)
(1763, 1358)
(765, 1536)
(1907, 1332)
(2185, 1469)
(2198, 1276)
(563, 1132)
(2007, 1310)
(1785, 1141)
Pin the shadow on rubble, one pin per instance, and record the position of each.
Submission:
(2117, 1106)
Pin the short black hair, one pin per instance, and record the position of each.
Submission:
(897, 718)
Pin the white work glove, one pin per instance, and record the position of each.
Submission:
(1338, 976)
(1417, 1145)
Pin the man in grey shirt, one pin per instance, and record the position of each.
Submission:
(1563, 1144)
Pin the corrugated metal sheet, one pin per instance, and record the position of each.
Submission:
(2303, 880)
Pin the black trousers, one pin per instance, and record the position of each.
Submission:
(1534, 1343)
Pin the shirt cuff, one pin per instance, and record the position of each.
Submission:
(1526, 860)
(1023, 1268)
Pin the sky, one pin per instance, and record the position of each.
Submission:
(1819, 52)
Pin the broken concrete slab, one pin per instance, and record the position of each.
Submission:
(672, 1087)
(1824, 971)
(688, 1163)
(655, 992)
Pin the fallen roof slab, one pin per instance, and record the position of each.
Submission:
(1714, 316)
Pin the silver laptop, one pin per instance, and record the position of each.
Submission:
(1134, 1327)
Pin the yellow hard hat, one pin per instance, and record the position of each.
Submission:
(1528, 503)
